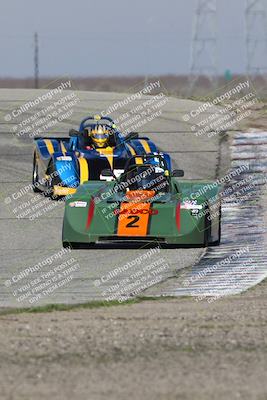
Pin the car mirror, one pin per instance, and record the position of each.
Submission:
(132, 135)
(74, 133)
(178, 173)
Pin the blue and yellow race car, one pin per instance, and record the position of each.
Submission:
(61, 164)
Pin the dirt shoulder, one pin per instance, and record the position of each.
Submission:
(161, 349)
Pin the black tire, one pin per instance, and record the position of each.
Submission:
(54, 180)
(207, 228)
(35, 175)
(71, 245)
(217, 242)
(66, 244)
(76, 246)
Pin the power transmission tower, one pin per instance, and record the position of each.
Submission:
(36, 61)
(204, 43)
(256, 37)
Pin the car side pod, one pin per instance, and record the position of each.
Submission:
(178, 216)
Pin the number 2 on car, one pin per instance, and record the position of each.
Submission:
(131, 222)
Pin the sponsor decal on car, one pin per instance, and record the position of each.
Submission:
(64, 158)
(136, 211)
(78, 204)
(191, 205)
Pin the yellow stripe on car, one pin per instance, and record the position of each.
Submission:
(138, 160)
(63, 148)
(49, 146)
(146, 146)
(107, 152)
(63, 191)
(133, 153)
(84, 170)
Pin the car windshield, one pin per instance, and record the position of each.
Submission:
(146, 177)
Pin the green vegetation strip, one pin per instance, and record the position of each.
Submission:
(70, 307)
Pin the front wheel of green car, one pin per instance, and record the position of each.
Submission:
(76, 246)
(71, 245)
(218, 241)
(207, 229)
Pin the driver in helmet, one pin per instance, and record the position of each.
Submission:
(97, 138)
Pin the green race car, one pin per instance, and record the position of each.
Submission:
(147, 203)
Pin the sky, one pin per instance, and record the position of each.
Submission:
(113, 37)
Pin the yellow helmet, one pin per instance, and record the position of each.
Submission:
(99, 136)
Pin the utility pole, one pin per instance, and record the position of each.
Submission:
(204, 43)
(256, 37)
(36, 61)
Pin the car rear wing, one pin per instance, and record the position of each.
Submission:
(97, 119)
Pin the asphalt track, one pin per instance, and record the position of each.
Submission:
(25, 242)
